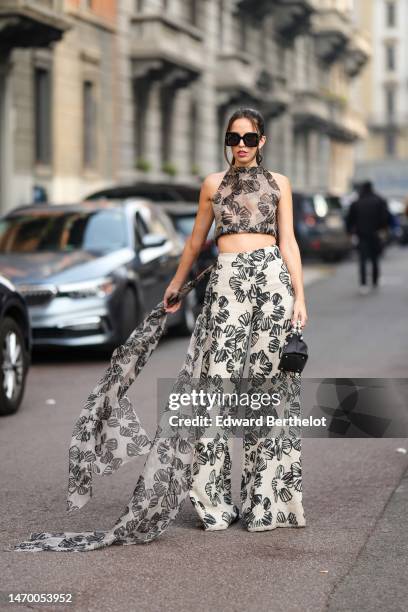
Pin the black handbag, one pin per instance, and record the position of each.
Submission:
(294, 353)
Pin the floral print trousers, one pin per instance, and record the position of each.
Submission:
(251, 307)
(248, 304)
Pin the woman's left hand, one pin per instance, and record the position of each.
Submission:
(299, 312)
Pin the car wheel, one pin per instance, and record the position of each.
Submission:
(186, 327)
(13, 366)
(129, 315)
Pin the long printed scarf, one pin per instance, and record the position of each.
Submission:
(108, 434)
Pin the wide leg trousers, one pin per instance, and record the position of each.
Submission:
(247, 311)
(252, 299)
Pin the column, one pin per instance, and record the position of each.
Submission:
(6, 148)
(313, 160)
(207, 120)
(153, 129)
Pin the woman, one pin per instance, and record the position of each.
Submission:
(253, 296)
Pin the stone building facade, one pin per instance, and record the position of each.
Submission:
(57, 111)
(107, 92)
(383, 93)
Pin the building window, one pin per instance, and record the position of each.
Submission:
(42, 105)
(140, 106)
(262, 43)
(281, 58)
(390, 10)
(221, 25)
(167, 100)
(390, 102)
(390, 143)
(193, 134)
(390, 56)
(192, 12)
(242, 33)
(89, 125)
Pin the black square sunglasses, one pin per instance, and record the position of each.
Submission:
(232, 139)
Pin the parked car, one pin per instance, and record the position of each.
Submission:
(183, 216)
(15, 345)
(397, 222)
(156, 192)
(180, 201)
(403, 223)
(91, 271)
(319, 226)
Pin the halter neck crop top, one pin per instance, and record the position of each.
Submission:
(246, 201)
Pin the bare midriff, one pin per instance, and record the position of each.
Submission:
(236, 243)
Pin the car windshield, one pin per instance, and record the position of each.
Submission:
(63, 231)
(334, 203)
(185, 224)
(307, 205)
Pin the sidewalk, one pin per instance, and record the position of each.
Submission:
(378, 578)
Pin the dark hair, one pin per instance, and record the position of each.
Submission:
(258, 123)
(366, 187)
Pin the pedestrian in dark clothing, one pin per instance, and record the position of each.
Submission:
(366, 217)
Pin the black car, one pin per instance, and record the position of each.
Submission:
(15, 347)
(91, 271)
(319, 226)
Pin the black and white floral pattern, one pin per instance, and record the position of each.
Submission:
(246, 201)
(108, 432)
(252, 304)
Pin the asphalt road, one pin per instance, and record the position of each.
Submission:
(351, 555)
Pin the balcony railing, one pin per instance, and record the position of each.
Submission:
(293, 17)
(309, 109)
(161, 45)
(237, 77)
(358, 53)
(317, 110)
(274, 94)
(234, 70)
(346, 124)
(333, 31)
(256, 10)
(31, 23)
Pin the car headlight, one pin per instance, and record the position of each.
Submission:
(99, 287)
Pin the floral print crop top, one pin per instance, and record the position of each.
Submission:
(246, 201)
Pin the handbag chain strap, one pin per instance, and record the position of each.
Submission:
(297, 329)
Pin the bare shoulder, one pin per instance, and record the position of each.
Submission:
(281, 179)
(214, 178)
(212, 181)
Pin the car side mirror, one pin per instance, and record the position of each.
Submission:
(153, 240)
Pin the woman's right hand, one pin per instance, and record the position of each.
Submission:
(171, 291)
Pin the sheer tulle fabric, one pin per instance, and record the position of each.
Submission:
(246, 201)
(108, 434)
